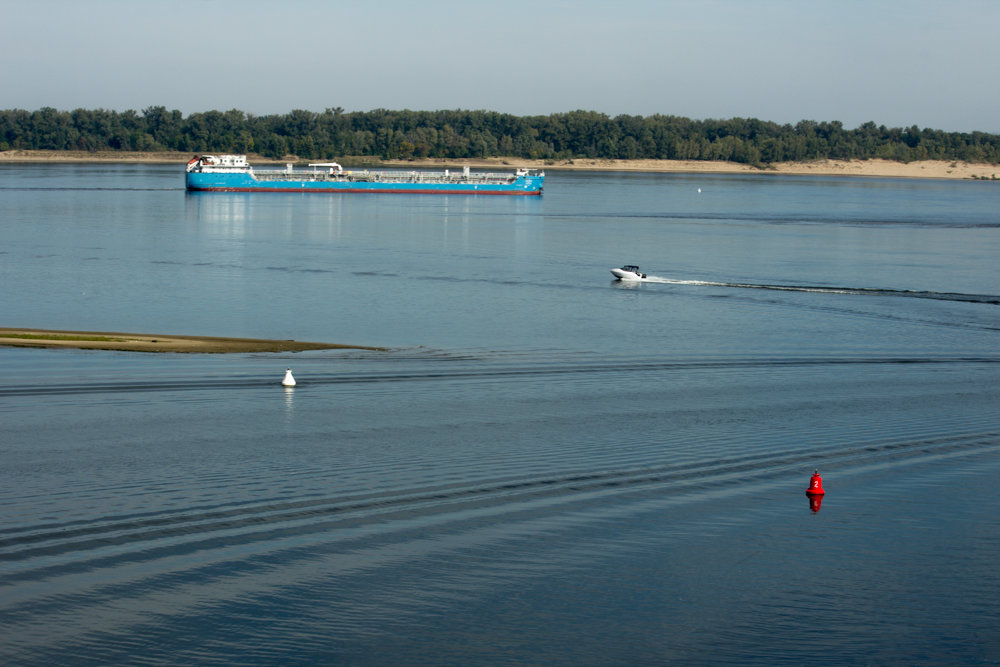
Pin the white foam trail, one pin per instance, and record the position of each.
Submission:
(856, 291)
(699, 283)
(710, 283)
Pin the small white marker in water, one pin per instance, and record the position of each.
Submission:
(699, 189)
(289, 381)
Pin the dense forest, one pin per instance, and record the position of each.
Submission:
(473, 134)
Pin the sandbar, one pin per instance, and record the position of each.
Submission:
(942, 169)
(131, 342)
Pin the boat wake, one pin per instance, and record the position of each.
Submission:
(547, 371)
(991, 299)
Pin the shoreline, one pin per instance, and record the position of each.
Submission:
(940, 169)
(131, 342)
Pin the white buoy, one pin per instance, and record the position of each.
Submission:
(699, 189)
(289, 381)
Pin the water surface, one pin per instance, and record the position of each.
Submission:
(546, 466)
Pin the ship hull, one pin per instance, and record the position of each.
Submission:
(243, 182)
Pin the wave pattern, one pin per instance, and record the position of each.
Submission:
(348, 561)
(480, 373)
(326, 523)
(18, 544)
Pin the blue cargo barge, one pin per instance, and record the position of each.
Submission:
(232, 173)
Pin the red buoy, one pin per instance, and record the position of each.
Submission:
(815, 485)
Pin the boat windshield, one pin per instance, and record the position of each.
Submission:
(629, 267)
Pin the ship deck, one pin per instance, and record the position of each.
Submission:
(384, 177)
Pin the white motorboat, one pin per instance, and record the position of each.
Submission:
(628, 272)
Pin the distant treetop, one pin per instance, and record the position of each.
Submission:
(464, 134)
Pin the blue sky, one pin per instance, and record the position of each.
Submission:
(895, 62)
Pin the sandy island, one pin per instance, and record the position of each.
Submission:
(924, 169)
(128, 342)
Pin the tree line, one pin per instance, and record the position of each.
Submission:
(387, 134)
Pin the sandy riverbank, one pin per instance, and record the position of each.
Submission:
(924, 169)
(129, 342)
(884, 168)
